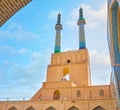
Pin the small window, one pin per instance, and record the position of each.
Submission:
(101, 92)
(78, 94)
(68, 61)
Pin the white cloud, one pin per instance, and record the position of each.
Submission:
(17, 32)
(7, 50)
(23, 51)
(100, 59)
(93, 17)
(53, 14)
(36, 67)
(36, 55)
(100, 67)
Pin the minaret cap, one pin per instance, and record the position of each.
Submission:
(81, 14)
(81, 19)
(58, 26)
(59, 19)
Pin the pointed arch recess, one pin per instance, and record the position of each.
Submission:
(50, 108)
(56, 95)
(12, 108)
(30, 108)
(66, 74)
(78, 93)
(99, 108)
(66, 71)
(73, 108)
(101, 92)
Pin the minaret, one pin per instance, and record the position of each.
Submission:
(81, 23)
(58, 28)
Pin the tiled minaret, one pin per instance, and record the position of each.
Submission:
(81, 23)
(58, 28)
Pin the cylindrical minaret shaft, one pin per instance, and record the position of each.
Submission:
(58, 28)
(81, 23)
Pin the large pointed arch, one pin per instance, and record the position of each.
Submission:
(99, 108)
(50, 108)
(30, 108)
(73, 108)
(12, 108)
(66, 73)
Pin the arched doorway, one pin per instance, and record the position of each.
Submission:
(56, 95)
(12, 108)
(30, 108)
(98, 108)
(50, 108)
(73, 108)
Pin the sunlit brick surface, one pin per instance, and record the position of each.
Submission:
(9, 7)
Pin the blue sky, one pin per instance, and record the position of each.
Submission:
(27, 42)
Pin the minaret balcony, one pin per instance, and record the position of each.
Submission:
(81, 22)
(58, 27)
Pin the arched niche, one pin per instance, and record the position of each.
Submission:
(56, 95)
(73, 108)
(101, 92)
(78, 93)
(50, 108)
(30, 108)
(12, 108)
(99, 108)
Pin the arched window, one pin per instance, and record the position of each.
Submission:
(56, 95)
(30, 108)
(78, 94)
(73, 108)
(101, 92)
(98, 108)
(12, 108)
(50, 108)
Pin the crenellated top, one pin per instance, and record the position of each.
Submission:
(70, 57)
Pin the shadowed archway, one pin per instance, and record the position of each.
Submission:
(12, 108)
(30, 108)
(73, 108)
(99, 108)
(50, 108)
